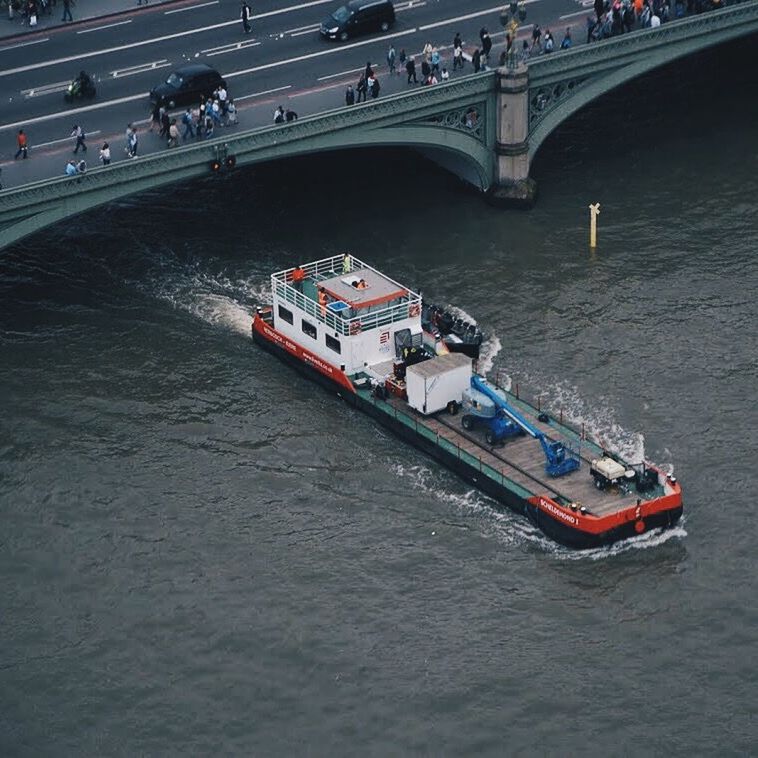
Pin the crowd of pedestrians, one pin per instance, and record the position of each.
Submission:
(614, 17)
(31, 11)
(429, 67)
(198, 122)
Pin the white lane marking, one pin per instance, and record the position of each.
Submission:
(299, 29)
(468, 16)
(411, 7)
(76, 111)
(25, 44)
(290, 8)
(572, 15)
(107, 26)
(142, 68)
(141, 43)
(341, 73)
(190, 8)
(265, 92)
(309, 56)
(105, 51)
(238, 46)
(229, 47)
(307, 31)
(263, 67)
(65, 139)
(46, 89)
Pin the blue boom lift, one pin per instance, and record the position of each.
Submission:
(558, 459)
(480, 412)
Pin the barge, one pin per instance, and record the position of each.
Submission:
(374, 341)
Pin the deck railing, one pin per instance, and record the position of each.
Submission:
(326, 268)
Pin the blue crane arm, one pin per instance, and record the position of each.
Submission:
(480, 384)
(558, 460)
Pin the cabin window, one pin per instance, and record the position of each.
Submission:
(310, 329)
(286, 315)
(333, 344)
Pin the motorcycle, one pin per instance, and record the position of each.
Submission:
(81, 88)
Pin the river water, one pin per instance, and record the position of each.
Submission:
(203, 553)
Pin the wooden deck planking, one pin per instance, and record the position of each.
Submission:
(526, 454)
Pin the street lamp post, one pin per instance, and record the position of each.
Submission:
(510, 17)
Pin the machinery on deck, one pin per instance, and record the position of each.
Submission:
(481, 412)
(559, 460)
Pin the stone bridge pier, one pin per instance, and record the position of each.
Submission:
(486, 127)
(512, 184)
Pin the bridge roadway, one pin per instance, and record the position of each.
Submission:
(560, 83)
(285, 55)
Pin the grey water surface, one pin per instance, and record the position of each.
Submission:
(202, 553)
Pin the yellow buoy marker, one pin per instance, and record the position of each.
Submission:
(594, 213)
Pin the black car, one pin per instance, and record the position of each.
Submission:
(186, 85)
(358, 17)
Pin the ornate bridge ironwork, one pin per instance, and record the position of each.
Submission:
(561, 84)
(455, 123)
(458, 119)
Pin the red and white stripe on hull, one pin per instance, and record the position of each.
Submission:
(268, 332)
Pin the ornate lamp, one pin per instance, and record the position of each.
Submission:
(510, 16)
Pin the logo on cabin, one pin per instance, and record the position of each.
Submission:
(384, 338)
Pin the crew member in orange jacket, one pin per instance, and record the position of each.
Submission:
(298, 277)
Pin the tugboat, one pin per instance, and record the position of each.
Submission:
(359, 332)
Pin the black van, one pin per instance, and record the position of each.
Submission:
(358, 17)
(185, 85)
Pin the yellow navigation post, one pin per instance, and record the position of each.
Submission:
(594, 213)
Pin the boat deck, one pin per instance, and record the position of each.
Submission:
(521, 460)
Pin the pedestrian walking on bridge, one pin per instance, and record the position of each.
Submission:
(484, 36)
(245, 15)
(67, 10)
(189, 129)
(410, 68)
(22, 146)
(391, 59)
(362, 88)
(173, 134)
(131, 141)
(78, 134)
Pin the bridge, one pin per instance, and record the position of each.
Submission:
(484, 127)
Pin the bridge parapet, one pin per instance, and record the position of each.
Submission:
(458, 117)
(487, 127)
(562, 83)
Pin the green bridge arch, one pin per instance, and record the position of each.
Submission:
(485, 127)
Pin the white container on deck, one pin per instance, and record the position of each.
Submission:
(432, 384)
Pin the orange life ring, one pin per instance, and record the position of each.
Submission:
(413, 310)
(639, 526)
(355, 327)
